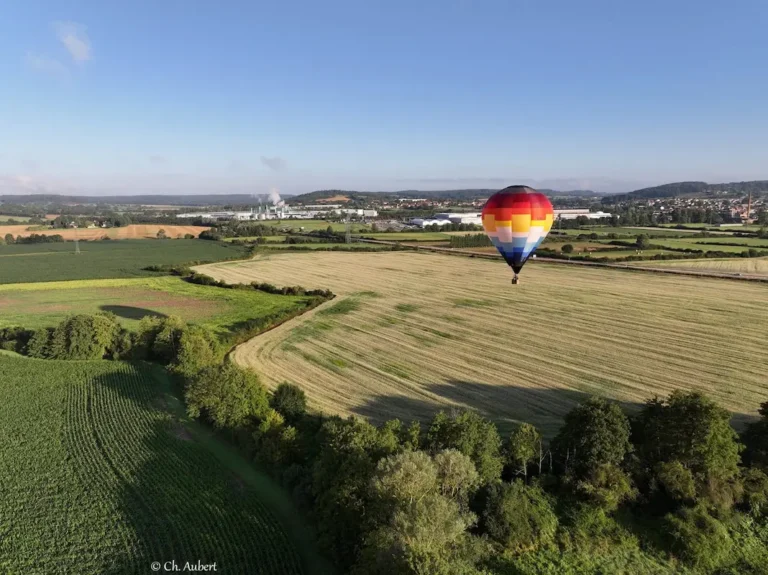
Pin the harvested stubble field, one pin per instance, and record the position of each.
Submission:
(132, 232)
(103, 473)
(413, 332)
(746, 266)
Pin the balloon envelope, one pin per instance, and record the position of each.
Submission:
(517, 219)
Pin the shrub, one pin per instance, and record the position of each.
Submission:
(165, 344)
(698, 538)
(39, 344)
(197, 349)
(676, 480)
(755, 498)
(606, 486)
(589, 528)
(15, 338)
(567, 249)
(519, 517)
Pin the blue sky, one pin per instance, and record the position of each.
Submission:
(197, 96)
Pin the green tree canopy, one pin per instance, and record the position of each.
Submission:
(473, 436)
(290, 400)
(523, 448)
(593, 434)
(688, 428)
(519, 517)
(85, 337)
(227, 395)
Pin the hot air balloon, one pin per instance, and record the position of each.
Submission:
(517, 219)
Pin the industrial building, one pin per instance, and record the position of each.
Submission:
(280, 212)
(572, 214)
(446, 218)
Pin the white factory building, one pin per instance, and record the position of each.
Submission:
(447, 218)
(572, 214)
(281, 212)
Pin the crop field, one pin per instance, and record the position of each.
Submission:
(603, 231)
(733, 240)
(254, 238)
(415, 332)
(4, 219)
(325, 246)
(135, 231)
(410, 236)
(103, 473)
(37, 305)
(311, 225)
(694, 244)
(746, 266)
(21, 263)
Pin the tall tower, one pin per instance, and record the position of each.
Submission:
(749, 208)
(348, 229)
(77, 244)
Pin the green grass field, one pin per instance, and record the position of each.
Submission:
(104, 259)
(37, 305)
(732, 240)
(102, 473)
(603, 231)
(254, 238)
(5, 219)
(310, 225)
(323, 246)
(409, 236)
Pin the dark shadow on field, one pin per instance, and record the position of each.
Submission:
(176, 498)
(507, 405)
(131, 312)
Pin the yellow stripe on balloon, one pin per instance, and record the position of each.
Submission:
(489, 223)
(521, 222)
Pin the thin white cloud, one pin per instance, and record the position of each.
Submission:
(45, 64)
(75, 40)
(277, 163)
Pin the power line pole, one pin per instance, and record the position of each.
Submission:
(77, 244)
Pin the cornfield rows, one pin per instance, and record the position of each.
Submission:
(413, 332)
(99, 477)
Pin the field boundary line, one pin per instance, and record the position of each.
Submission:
(617, 266)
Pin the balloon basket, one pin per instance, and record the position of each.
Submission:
(515, 280)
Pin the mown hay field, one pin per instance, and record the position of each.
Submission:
(21, 263)
(35, 305)
(413, 332)
(103, 473)
(132, 232)
(746, 266)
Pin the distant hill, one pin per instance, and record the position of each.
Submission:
(468, 194)
(151, 199)
(696, 189)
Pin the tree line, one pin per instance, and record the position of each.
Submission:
(454, 496)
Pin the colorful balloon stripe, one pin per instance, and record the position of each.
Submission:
(517, 219)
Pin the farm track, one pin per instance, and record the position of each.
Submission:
(432, 332)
